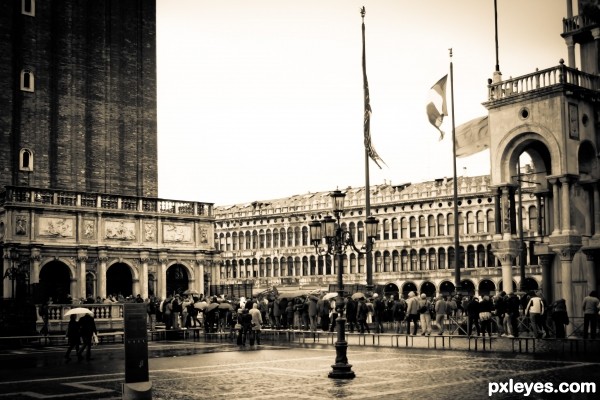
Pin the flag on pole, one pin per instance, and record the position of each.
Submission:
(367, 115)
(472, 137)
(436, 107)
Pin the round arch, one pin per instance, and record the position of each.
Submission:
(486, 288)
(55, 281)
(501, 286)
(119, 279)
(408, 287)
(467, 287)
(538, 142)
(428, 288)
(178, 278)
(530, 284)
(447, 288)
(391, 289)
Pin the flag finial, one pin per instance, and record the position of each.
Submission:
(362, 12)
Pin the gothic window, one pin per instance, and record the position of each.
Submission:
(533, 218)
(480, 222)
(413, 227)
(27, 81)
(491, 222)
(470, 223)
(304, 236)
(25, 160)
(394, 228)
(403, 228)
(361, 232)
(422, 226)
(386, 229)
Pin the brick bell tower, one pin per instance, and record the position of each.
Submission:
(78, 96)
(544, 141)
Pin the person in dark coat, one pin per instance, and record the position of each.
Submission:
(560, 318)
(87, 329)
(485, 315)
(351, 313)
(473, 313)
(361, 315)
(73, 337)
(245, 320)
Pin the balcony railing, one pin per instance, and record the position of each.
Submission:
(577, 22)
(546, 78)
(28, 195)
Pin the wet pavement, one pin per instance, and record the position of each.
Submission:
(219, 369)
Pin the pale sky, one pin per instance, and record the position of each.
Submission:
(263, 99)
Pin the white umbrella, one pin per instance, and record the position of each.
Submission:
(329, 296)
(78, 311)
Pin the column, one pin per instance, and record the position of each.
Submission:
(497, 212)
(590, 270)
(162, 275)
(101, 273)
(546, 263)
(144, 258)
(565, 205)
(555, 206)
(507, 276)
(505, 211)
(199, 271)
(81, 260)
(35, 257)
(596, 202)
(566, 254)
(6, 265)
(570, 52)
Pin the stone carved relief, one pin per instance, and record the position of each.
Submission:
(120, 230)
(149, 232)
(21, 225)
(89, 227)
(203, 235)
(56, 227)
(177, 233)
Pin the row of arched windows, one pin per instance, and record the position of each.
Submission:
(411, 227)
(476, 256)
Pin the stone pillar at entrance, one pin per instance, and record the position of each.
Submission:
(199, 273)
(590, 269)
(81, 260)
(506, 251)
(546, 262)
(101, 277)
(162, 275)
(35, 257)
(566, 253)
(144, 258)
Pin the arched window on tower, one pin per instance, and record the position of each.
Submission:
(27, 81)
(26, 160)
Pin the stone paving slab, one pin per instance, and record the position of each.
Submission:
(197, 370)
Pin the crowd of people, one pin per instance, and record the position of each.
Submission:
(502, 315)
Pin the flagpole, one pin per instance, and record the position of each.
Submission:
(455, 196)
(369, 255)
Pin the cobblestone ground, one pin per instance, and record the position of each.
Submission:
(198, 370)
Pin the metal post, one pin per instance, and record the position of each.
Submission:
(341, 369)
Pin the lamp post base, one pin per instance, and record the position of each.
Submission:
(341, 369)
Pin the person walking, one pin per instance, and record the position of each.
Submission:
(485, 315)
(441, 307)
(361, 316)
(398, 313)
(513, 311)
(256, 323)
(351, 314)
(560, 318)
(473, 314)
(590, 306)
(378, 313)
(535, 310)
(73, 337)
(425, 315)
(87, 329)
(412, 313)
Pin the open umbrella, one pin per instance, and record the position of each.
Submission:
(79, 311)
(358, 295)
(211, 306)
(330, 296)
(192, 292)
(200, 305)
(225, 306)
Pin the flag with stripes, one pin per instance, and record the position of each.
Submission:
(436, 106)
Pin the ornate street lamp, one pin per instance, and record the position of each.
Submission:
(338, 241)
